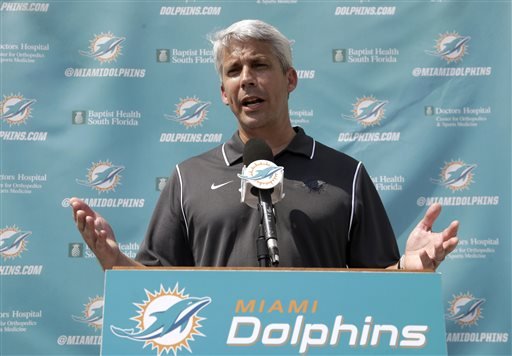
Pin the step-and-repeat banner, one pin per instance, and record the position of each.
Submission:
(100, 100)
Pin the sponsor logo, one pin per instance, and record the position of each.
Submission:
(106, 117)
(465, 117)
(190, 56)
(24, 53)
(102, 176)
(19, 321)
(365, 55)
(190, 112)
(163, 55)
(21, 183)
(456, 175)
(81, 250)
(76, 250)
(475, 249)
(167, 320)
(217, 186)
(160, 183)
(301, 117)
(92, 314)
(13, 242)
(389, 183)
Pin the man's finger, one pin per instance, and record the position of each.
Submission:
(430, 216)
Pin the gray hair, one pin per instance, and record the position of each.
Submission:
(251, 30)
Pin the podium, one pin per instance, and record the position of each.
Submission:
(218, 311)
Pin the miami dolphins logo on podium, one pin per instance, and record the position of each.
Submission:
(167, 320)
(105, 47)
(15, 109)
(451, 47)
(368, 111)
(456, 175)
(190, 112)
(13, 242)
(102, 176)
(465, 309)
(92, 314)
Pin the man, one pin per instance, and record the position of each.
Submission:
(331, 215)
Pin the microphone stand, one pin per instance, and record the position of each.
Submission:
(267, 229)
(262, 249)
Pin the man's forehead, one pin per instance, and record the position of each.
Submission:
(237, 49)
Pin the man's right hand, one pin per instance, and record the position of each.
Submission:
(99, 236)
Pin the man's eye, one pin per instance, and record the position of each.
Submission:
(233, 72)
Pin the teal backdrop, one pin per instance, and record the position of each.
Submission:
(420, 91)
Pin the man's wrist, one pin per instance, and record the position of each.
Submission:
(401, 262)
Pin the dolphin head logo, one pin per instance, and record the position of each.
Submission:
(95, 314)
(13, 241)
(17, 108)
(104, 47)
(261, 173)
(370, 110)
(175, 317)
(467, 309)
(460, 174)
(190, 113)
(450, 46)
(104, 177)
(453, 45)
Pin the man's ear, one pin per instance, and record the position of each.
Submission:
(293, 79)
(223, 95)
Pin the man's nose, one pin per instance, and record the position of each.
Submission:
(247, 78)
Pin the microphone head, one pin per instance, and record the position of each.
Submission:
(256, 149)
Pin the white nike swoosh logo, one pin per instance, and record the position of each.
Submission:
(217, 186)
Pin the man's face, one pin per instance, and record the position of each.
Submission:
(255, 86)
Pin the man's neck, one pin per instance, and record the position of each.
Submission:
(277, 140)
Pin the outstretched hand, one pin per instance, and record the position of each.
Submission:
(426, 249)
(97, 233)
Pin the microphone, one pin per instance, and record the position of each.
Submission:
(264, 180)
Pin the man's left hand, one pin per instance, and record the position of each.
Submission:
(426, 249)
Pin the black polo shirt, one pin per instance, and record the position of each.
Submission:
(331, 215)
